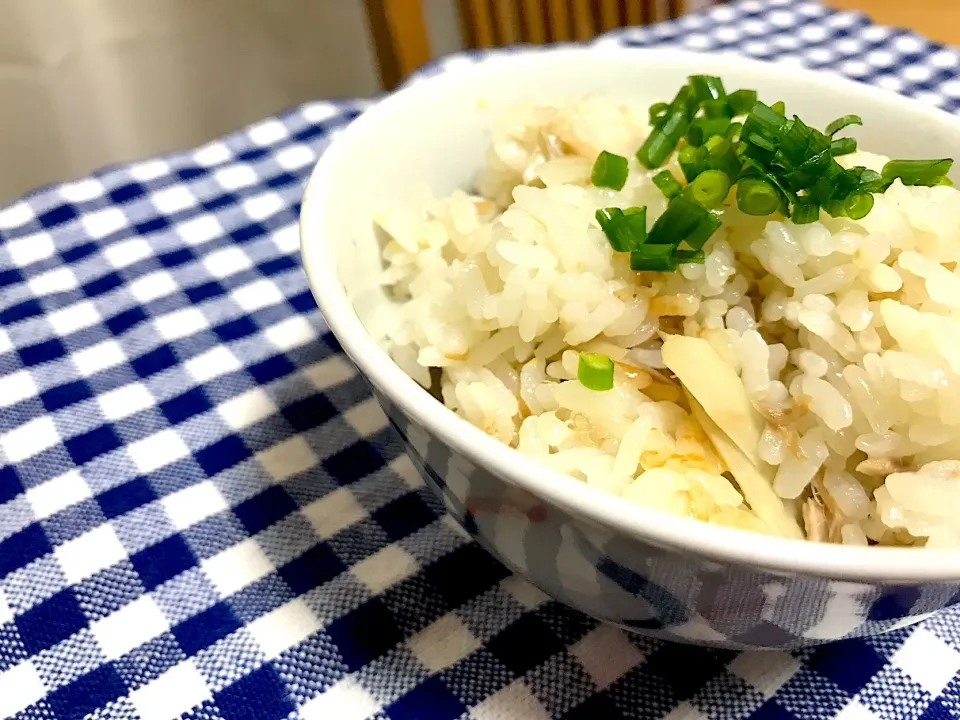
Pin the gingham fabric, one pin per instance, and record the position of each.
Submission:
(203, 512)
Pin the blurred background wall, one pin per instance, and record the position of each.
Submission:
(84, 83)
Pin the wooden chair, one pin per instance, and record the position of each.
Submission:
(400, 34)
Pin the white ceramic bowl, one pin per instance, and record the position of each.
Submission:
(644, 570)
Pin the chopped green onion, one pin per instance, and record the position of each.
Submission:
(705, 228)
(667, 183)
(664, 138)
(871, 181)
(609, 171)
(946, 181)
(764, 121)
(713, 142)
(678, 220)
(707, 87)
(713, 126)
(702, 129)
(757, 196)
(723, 156)
(799, 142)
(613, 226)
(689, 256)
(834, 208)
(843, 146)
(595, 371)
(823, 189)
(653, 257)
(847, 182)
(714, 109)
(624, 232)
(695, 135)
(858, 205)
(710, 188)
(917, 172)
(692, 161)
(742, 101)
(761, 142)
(662, 141)
(842, 122)
(776, 163)
(657, 112)
(809, 171)
(805, 211)
(636, 220)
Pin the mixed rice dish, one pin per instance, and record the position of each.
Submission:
(748, 321)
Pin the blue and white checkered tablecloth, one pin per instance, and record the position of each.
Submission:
(203, 513)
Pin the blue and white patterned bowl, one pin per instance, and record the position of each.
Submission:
(650, 572)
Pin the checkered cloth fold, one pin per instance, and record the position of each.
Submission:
(203, 513)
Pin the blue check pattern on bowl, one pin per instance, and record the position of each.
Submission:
(203, 512)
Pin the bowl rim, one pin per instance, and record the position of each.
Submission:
(684, 535)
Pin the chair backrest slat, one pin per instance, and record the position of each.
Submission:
(610, 16)
(507, 21)
(401, 40)
(533, 22)
(638, 13)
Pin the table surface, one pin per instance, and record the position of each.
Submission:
(203, 513)
(935, 19)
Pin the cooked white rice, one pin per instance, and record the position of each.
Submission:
(826, 357)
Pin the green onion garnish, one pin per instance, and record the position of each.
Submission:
(692, 161)
(678, 220)
(857, 205)
(916, 172)
(798, 141)
(595, 371)
(723, 156)
(657, 113)
(805, 211)
(742, 101)
(824, 189)
(757, 196)
(778, 164)
(707, 87)
(761, 142)
(761, 129)
(689, 256)
(705, 228)
(710, 188)
(664, 138)
(624, 232)
(809, 171)
(710, 127)
(847, 181)
(715, 109)
(636, 220)
(609, 171)
(871, 180)
(667, 184)
(843, 146)
(657, 258)
(842, 122)
(713, 142)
